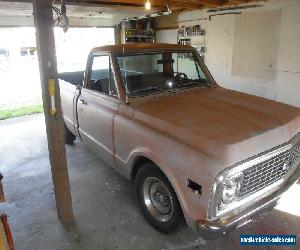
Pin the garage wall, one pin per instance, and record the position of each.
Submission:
(256, 52)
(166, 36)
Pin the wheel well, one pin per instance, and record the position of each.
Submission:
(138, 162)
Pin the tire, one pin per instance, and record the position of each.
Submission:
(69, 137)
(158, 200)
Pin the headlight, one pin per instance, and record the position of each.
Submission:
(230, 189)
(229, 192)
(226, 190)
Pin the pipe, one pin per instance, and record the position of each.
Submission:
(235, 8)
(222, 14)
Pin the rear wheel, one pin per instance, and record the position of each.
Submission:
(158, 199)
(69, 137)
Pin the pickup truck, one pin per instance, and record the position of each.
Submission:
(196, 152)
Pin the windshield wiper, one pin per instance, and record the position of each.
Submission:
(195, 83)
(146, 90)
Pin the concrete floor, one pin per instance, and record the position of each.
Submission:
(106, 212)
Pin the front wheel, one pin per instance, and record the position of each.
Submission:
(69, 137)
(158, 199)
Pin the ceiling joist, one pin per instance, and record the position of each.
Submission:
(157, 4)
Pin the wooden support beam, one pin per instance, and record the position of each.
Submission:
(211, 3)
(43, 19)
(190, 4)
(157, 3)
(135, 3)
(129, 3)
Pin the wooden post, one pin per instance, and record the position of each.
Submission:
(43, 19)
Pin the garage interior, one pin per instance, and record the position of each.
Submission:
(75, 200)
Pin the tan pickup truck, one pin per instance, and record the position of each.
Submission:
(197, 152)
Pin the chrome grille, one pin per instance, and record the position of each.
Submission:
(295, 155)
(268, 172)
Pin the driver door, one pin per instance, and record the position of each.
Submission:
(97, 106)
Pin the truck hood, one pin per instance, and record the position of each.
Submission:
(227, 125)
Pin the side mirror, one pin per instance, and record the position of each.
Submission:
(78, 86)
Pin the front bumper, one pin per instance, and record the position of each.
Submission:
(215, 228)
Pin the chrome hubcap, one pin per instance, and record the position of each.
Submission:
(158, 199)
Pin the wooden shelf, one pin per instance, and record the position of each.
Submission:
(142, 33)
(189, 37)
(195, 39)
(137, 36)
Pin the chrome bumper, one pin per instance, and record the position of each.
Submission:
(222, 227)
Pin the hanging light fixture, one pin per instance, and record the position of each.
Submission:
(148, 5)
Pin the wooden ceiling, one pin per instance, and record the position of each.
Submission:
(156, 4)
(105, 13)
(161, 4)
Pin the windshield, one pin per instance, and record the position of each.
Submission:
(155, 72)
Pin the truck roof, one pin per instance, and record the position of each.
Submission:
(138, 47)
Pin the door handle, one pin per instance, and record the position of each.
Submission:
(84, 102)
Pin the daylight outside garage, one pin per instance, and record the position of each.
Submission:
(20, 79)
(155, 124)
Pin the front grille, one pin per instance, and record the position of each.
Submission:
(295, 155)
(268, 172)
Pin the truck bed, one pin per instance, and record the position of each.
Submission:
(74, 78)
(77, 77)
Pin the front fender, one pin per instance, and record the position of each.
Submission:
(176, 160)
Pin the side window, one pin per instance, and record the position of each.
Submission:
(101, 78)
